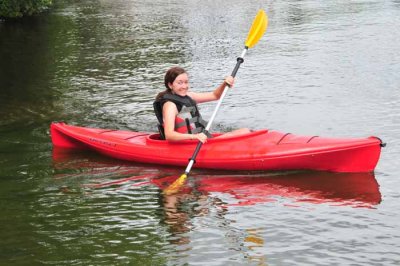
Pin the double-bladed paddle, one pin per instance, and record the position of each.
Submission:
(256, 32)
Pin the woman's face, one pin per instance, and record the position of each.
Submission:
(180, 85)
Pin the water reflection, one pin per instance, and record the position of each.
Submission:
(346, 189)
(179, 209)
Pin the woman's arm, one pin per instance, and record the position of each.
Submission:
(201, 97)
(169, 114)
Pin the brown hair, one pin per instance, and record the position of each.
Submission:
(170, 77)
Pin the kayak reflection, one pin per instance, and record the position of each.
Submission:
(339, 189)
(347, 189)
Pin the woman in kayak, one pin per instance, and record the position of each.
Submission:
(176, 108)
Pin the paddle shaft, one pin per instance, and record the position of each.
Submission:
(200, 144)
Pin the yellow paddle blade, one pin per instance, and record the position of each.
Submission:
(257, 29)
(176, 186)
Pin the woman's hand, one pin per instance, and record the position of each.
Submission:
(200, 136)
(229, 81)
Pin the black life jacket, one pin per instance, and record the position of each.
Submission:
(185, 104)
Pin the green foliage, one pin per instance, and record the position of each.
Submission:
(19, 8)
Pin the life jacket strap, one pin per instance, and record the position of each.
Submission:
(161, 131)
(189, 128)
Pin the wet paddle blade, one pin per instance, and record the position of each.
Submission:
(257, 29)
(176, 186)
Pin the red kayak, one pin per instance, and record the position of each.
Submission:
(258, 150)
